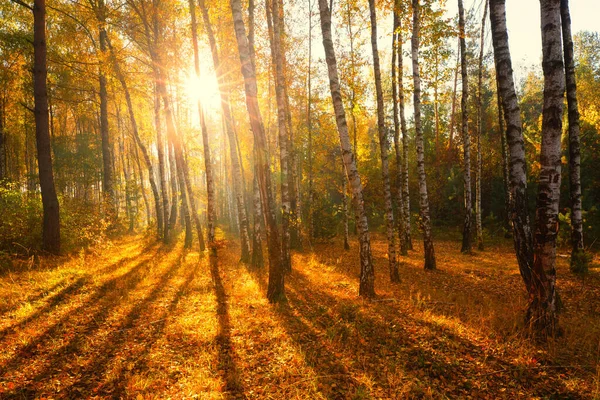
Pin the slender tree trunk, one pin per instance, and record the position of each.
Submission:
(383, 146)
(2, 139)
(345, 209)
(453, 110)
(51, 219)
(172, 177)
(396, 75)
(161, 162)
(522, 235)
(107, 170)
(138, 141)
(238, 179)
(275, 290)
(277, 60)
(127, 178)
(352, 80)
(367, 277)
(479, 227)
(466, 240)
(505, 169)
(404, 130)
(182, 165)
(179, 164)
(424, 200)
(257, 253)
(544, 308)
(134, 150)
(309, 206)
(210, 184)
(577, 261)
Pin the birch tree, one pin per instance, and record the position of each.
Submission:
(275, 290)
(544, 307)
(383, 146)
(479, 228)
(578, 260)
(367, 277)
(466, 239)
(423, 197)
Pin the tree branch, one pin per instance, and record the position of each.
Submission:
(22, 3)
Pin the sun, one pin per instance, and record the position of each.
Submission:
(203, 88)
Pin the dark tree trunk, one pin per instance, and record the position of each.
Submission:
(51, 221)
(107, 171)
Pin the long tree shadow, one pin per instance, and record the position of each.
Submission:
(400, 353)
(228, 368)
(67, 291)
(91, 376)
(96, 308)
(333, 378)
(139, 362)
(52, 302)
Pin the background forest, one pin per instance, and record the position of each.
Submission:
(214, 120)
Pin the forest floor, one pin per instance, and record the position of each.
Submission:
(136, 319)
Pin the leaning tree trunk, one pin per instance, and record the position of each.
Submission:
(479, 229)
(51, 219)
(284, 159)
(383, 146)
(522, 236)
(466, 239)
(276, 289)
(238, 182)
(543, 310)
(424, 200)
(397, 70)
(578, 263)
(367, 277)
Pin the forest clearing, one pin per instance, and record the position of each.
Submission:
(141, 320)
(299, 199)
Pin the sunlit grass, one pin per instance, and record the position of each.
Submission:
(141, 320)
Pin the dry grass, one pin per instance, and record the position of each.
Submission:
(139, 320)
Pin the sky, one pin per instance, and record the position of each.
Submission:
(523, 23)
